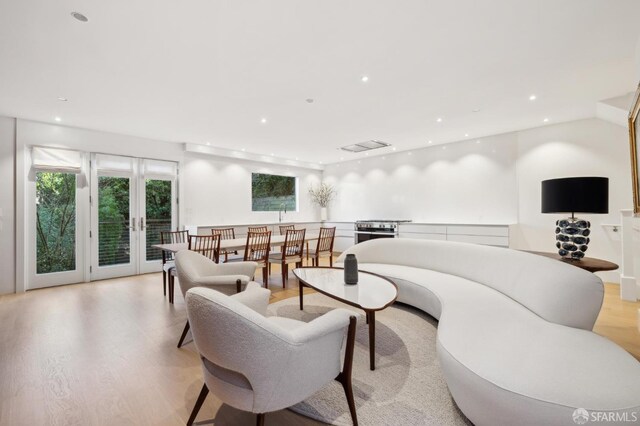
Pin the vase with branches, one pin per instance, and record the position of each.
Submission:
(322, 195)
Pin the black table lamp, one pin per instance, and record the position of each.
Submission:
(574, 195)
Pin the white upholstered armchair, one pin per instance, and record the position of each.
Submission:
(196, 270)
(263, 364)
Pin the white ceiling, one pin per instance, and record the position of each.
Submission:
(207, 71)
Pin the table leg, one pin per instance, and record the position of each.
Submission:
(371, 316)
(300, 287)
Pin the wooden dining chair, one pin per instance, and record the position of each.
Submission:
(257, 250)
(226, 234)
(285, 228)
(292, 252)
(206, 245)
(168, 259)
(324, 248)
(258, 229)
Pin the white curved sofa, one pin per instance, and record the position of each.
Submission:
(514, 338)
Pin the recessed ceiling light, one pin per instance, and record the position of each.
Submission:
(272, 154)
(475, 110)
(366, 153)
(58, 119)
(263, 120)
(358, 161)
(546, 120)
(296, 158)
(430, 142)
(444, 147)
(466, 135)
(478, 141)
(79, 16)
(341, 158)
(439, 119)
(533, 97)
(393, 149)
(242, 150)
(364, 78)
(208, 143)
(410, 153)
(309, 100)
(61, 99)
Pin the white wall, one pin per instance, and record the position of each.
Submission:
(465, 182)
(590, 147)
(495, 181)
(7, 205)
(217, 191)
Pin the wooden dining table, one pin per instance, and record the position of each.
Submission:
(233, 244)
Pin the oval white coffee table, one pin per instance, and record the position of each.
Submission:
(372, 293)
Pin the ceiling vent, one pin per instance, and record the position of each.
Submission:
(365, 146)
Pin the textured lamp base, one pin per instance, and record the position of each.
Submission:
(572, 237)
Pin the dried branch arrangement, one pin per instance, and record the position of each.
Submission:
(322, 194)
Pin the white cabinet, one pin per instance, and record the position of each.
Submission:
(494, 235)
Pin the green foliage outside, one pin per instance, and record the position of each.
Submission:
(55, 222)
(273, 192)
(158, 206)
(113, 220)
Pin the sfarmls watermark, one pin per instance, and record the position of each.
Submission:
(582, 416)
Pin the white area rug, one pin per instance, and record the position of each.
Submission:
(407, 387)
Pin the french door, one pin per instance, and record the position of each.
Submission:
(132, 201)
(95, 216)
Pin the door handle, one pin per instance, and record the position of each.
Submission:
(142, 224)
(133, 224)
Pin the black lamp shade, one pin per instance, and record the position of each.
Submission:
(575, 195)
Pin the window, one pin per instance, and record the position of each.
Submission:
(273, 193)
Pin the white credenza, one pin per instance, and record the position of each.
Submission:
(494, 235)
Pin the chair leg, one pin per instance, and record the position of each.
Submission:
(331, 260)
(265, 276)
(285, 273)
(184, 334)
(164, 282)
(348, 390)
(260, 420)
(172, 285)
(199, 402)
(345, 376)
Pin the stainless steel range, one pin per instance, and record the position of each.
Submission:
(366, 230)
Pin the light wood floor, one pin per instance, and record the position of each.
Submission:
(104, 354)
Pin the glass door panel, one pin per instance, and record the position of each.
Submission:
(55, 230)
(114, 244)
(55, 222)
(114, 219)
(158, 214)
(157, 211)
